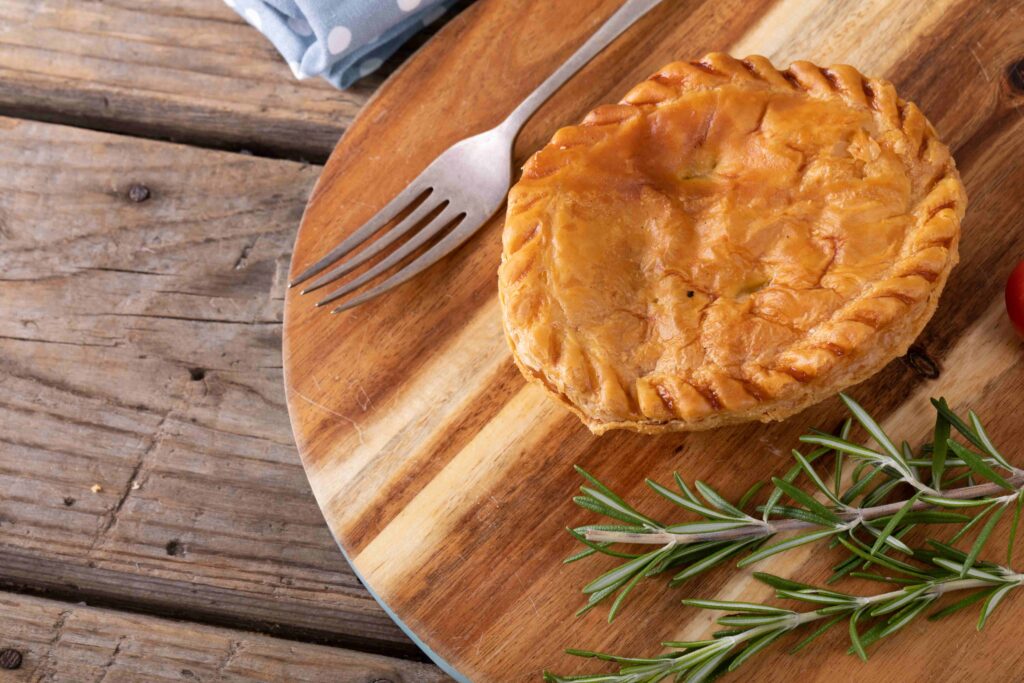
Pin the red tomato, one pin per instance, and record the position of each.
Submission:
(1015, 297)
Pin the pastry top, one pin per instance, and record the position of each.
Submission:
(723, 239)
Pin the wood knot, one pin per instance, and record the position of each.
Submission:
(922, 363)
(1015, 76)
(10, 659)
(138, 193)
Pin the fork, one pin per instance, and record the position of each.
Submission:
(461, 188)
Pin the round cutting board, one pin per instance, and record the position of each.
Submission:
(447, 480)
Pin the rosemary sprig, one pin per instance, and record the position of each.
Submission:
(726, 530)
(751, 627)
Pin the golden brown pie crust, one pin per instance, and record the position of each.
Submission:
(731, 242)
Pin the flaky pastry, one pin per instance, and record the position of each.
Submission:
(731, 242)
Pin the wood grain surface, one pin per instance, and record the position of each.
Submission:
(447, 480)
(139, 351)
(63, 643)
(188, 70)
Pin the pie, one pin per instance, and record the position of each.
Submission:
(731, 242)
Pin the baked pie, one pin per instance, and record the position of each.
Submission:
(731, 242)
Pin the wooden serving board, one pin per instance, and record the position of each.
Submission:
(447, 480)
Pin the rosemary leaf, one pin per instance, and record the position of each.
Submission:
(837, 468)
(755, 647)
(686, 644)
(713, 497)
(776, 495)
(987, 442)
(749, 495)
(788, 544)
(943, 408)
(620, 574)
(933, 517)
(972, 572)
(911, 595)
(843, 568)
(748, 620)
(879, 493)
(595, 599)
(626, 590)
(882, 579)
(779, 582)
(983, 535)
(686, 502)
(708, 562)
(992, 504)
(685, 489)
(979, 466)
(940, 450)
(609, 657)
(706, 671)
(598, 485)
(872, 427)
(860, 485)
(958, 605)
(813, 476)
(818, 597)
(806, 500)
(586, 552)
(855, 637)
(594, 548)
(893, 522)
(628, 528)
(837, 444)
(994, 598)
(901, 619)
(616, 504)
(733, 606)
(1013, 528)
(855, 547)
(589, 503)
(820, 631)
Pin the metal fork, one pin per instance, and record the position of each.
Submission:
(463, 188)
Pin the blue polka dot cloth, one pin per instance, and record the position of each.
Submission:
(340, 40)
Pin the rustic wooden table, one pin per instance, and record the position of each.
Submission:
(155, 522)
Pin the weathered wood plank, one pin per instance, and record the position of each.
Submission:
(58, 641)
(139, 351)
(191, 71)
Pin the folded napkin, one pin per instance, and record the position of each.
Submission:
(340, 40)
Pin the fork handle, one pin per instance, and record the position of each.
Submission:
(624, 17)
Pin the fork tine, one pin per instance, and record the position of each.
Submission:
(388, 212)
(419, 239)
(437, 252)
(425, 208)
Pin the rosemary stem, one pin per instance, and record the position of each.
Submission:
(798, 619)
(758, 529)
(938, 590)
